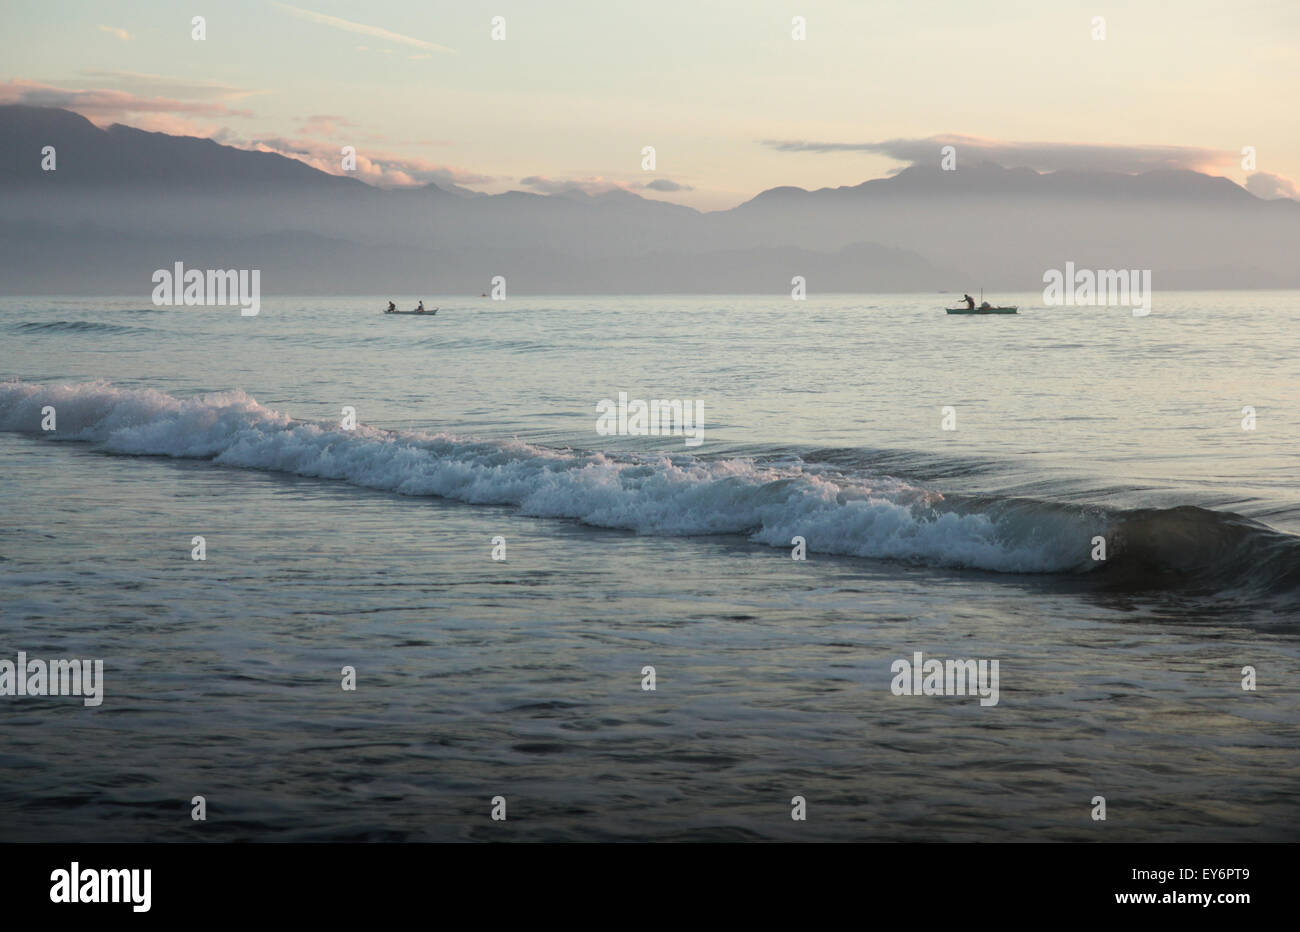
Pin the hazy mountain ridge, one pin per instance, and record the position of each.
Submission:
(147, 199)
(123, 155)
(989, 179)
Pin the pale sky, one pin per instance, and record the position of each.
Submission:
(579, 87)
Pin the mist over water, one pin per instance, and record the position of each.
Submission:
(822, 419)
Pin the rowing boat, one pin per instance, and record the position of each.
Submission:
(980, 310)
(428, 313)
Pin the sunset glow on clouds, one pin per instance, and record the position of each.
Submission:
(732, 104)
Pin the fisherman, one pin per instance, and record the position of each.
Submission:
(420, 309)
(391, 307)
(970, 302)
(985, 306)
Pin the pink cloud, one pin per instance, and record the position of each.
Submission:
(589, 185)
(1040, 156)
(104, 106)
(323, 124)
(374, 167)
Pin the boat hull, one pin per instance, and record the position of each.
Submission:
(978, 310)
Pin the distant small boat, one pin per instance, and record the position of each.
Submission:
(981, 310)
(428, 313)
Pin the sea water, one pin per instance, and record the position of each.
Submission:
(949, 478)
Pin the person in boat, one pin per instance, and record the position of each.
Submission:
(985, 306)
(420, 308)
(391, 307)
(970, 302)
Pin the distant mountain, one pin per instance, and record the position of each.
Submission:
(1009, 225)
(123, 202)
(990, 180)
(122, 156)
(455, 189)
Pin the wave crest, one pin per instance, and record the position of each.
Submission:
(837, 511)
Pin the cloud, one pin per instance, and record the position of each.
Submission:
(1040, 156)
(591, 186)
(106, 106)
(362, 29)
(595, 185)
(377, 168)
(228, 137)
(323, 124)
(135, 82)
(1270, 186)
(177, 125)
(666, 184)
(114, 31)
(198, 118)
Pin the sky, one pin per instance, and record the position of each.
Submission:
(732, 103)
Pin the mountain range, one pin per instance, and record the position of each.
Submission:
(123, 202)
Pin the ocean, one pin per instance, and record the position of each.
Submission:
(950, 478)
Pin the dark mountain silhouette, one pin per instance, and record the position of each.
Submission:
(988, 179)
(123, 156)
(123, 202)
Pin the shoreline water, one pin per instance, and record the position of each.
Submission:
(523, 677)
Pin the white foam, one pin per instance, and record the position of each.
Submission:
(851, 515)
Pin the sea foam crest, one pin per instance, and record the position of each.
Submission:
(678, 494)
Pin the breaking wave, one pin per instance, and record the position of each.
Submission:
(836, 510)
